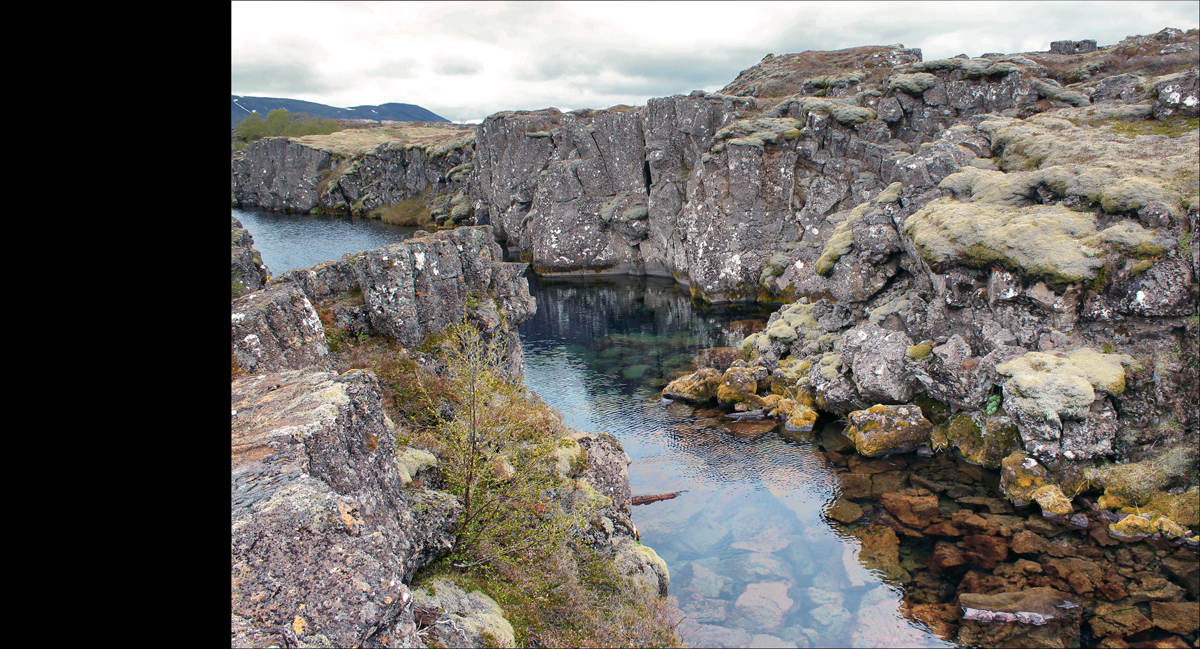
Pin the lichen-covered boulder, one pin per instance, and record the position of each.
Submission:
(880, 430)
(877, 360)
(833, 387)
(1178, 95)
(700, 385)
(275, 329)
(798, 330)
(476, 619)
(1053, 399)
(642, 564)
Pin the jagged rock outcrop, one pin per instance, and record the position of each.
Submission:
(275, 329)
(932, 222)
(405, 292)
(372, 172)
(324, 535)
(247, 269)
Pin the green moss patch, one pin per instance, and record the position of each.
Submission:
(1039, 242)
(1047, 386)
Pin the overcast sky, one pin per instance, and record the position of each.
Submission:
(465, 61)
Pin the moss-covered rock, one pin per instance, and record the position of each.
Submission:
(738, 385)
(1082, 156)
(985, 446)
(475, 615)
(1106, 372)
(642, 564)
(412, 461)
(1143, 486)
(1047, 387)
(881, 430)
(1040, 242)
(914, 83)
(700, 385)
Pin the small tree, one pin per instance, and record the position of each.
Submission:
(497, 461)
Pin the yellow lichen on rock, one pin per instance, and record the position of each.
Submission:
(1133, 526)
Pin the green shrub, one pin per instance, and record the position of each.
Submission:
(497, 461)
(282, 123)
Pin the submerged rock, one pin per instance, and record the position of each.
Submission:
(880, 430)
(1036, 617)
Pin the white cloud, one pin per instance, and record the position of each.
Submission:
(466, 60)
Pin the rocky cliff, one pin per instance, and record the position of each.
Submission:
(366, 172)
(332, 513)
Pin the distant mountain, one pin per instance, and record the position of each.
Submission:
(241, 106)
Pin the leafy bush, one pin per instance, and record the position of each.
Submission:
(282, 123)
(496, 462)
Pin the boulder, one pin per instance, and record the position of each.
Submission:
(1053, 399)
(476, 620)
(738, 385)
(764, 605)
(1035, 617)
(914, 507)
(880, 430)
(700, 385)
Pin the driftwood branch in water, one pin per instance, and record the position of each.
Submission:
(653, 498)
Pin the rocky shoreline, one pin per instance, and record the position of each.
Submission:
(987, 269)
(331, 517)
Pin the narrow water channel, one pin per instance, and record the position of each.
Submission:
(754, 560)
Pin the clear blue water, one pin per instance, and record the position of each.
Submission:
(290, 241)
(754, 561)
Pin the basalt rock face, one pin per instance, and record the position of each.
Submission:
(739, 196)
(324, 535)
(395, 172)
(405, 292)
(276, 173)
(312, 174)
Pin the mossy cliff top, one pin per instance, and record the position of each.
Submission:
(434, 141)
(1085, 152)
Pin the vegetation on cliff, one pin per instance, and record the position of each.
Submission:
(504, 454)
(280, 123)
